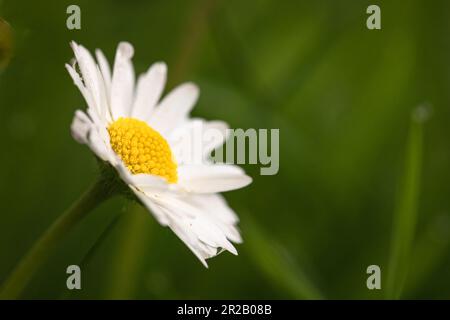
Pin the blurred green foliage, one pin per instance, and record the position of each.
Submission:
(341, 96)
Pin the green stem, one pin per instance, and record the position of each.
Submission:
(36, 256)
(128, 254)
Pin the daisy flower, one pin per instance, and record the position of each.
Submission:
(131, 129)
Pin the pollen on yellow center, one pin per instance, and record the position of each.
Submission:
(142, 149)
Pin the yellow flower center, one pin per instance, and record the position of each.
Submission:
(142, 149)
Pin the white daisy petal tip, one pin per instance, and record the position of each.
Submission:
(104, 68)
(204, 263)
(247, 180)
(212, 178)
(160, 67)
(231, 248)
(70, 68)
(126, 49)
(99, 53)
(193, 89)
(238, 238)
(73, 45)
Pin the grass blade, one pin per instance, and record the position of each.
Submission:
(277, 267)
(90, 254)
(405, 215)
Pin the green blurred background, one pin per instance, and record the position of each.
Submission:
(342, 97)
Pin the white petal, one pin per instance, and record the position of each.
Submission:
(194, 225)
(106, 111)
(196, 139)
(200, 223)
(217, 209)
(84, 130)
(215, 135)
(100, 125)
(81, 125)
(208, 232)
(122, 85)
(105, 70)
(88, 69)
(149, 89)
(159, 214)
(201, 251)
(79, 83)
(144, 182)
(164, 217)
(98, 145)
(174, 108)
(148, 182)
(212, 178)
